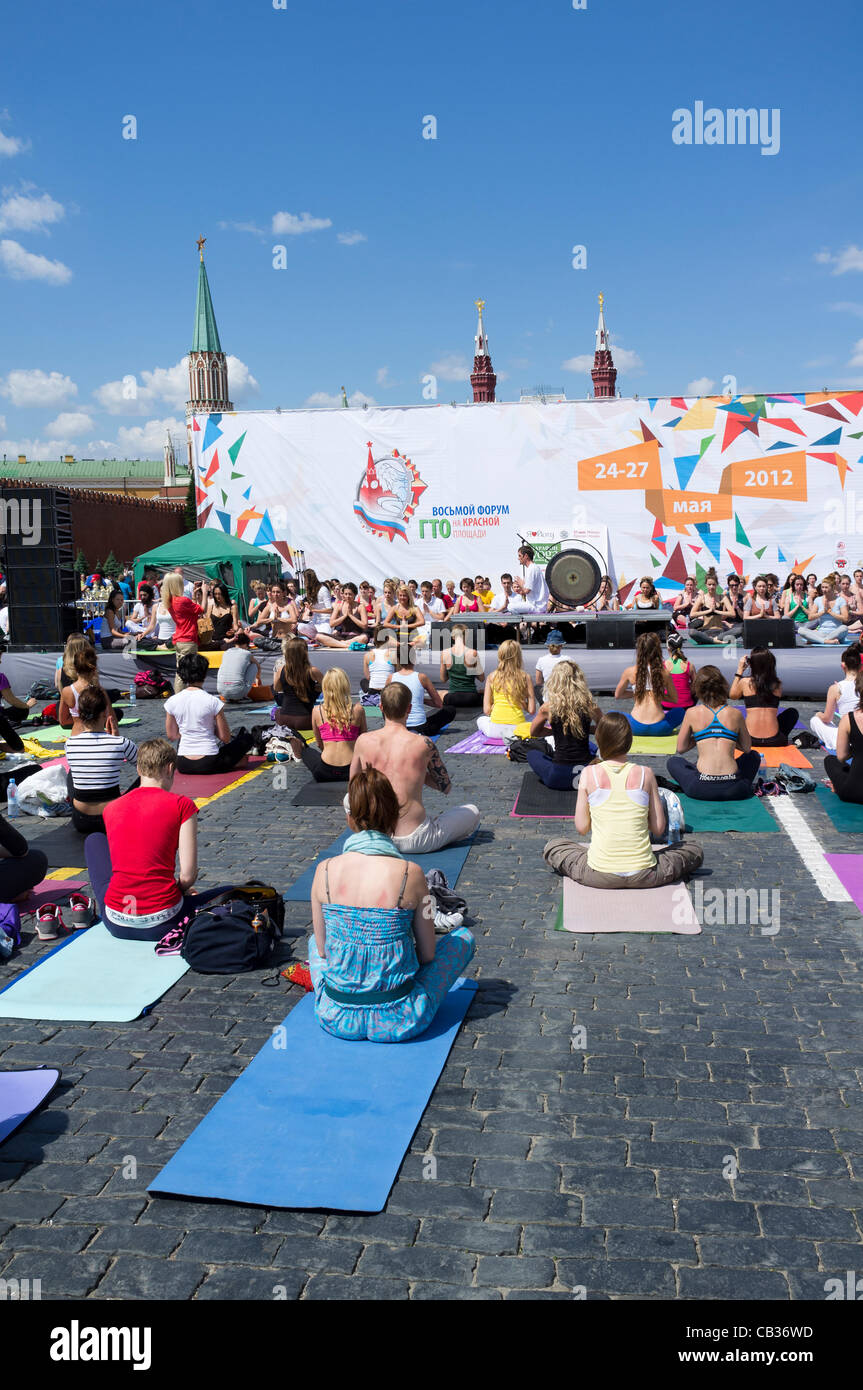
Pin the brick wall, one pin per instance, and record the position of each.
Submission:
(105, 521)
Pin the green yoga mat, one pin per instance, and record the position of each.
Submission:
(649, 746)
(53, 733)
(845, 815)
(706, 817)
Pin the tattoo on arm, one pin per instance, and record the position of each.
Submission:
(436, 773)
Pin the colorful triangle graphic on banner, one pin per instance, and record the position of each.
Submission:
(705, 445)
(676, 566)
(265, 535)
(736, 561)
(212, 431)
(760, 552)
(740, 535)
(202, 516)
(236, 447)
(735, 425)
(213, 468)
(834, 437)
(853, 401)
(196, 428)
(827, 409)
(225, 520)
(686, 466)
(781, 444)
(247, 494)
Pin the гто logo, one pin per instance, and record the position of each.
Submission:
(388, 494)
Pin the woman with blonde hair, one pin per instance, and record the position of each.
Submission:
(65, 673)
(566, 713)
(296, 686)
(84, 664)
(185, 613)
(650, 683)
(337, 724)
(509, 699)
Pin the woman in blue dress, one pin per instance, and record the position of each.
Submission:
(377, 968)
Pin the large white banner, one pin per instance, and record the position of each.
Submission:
(745, 484)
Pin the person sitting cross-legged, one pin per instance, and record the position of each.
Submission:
(377, 970)
(619, 806)
(336, 724)
(196, 718)
(716, 729)
(411, 762)
(651, 683)
(508, 698)
(420, 720)
(841, 699)
(567, 713)
(847, 777)
(139, 894)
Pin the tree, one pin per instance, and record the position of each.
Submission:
(111, 566)
(80, 564)
(190, 515)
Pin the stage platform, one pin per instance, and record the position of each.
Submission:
(805, 672)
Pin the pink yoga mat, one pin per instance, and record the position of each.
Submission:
(51, 890)
(668, 909)
(848, 868)
(194, 784)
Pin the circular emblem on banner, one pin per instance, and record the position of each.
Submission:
(388, 492)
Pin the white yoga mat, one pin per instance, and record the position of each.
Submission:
(667, 909)
(92, 976)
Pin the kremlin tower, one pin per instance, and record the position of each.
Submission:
(482, 378)
(603, 372)
(208, 366)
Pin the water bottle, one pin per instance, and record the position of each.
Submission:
(674, 823)
(12, 809)
(133, 694)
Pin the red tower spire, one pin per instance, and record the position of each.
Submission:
(603, 372)
(482, 378)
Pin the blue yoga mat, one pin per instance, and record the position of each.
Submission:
(92, 976)
(450, 861)
(22, 1092)
(318, 1121)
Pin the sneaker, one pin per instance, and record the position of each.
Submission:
(81, 912)
(49, 922)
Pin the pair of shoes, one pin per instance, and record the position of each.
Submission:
(445, 921)
(298, 973)
(50, 919)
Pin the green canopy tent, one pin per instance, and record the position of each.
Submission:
(213, 554)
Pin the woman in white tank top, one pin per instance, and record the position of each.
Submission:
(842, 698)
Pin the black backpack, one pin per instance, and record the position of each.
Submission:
(220, 939)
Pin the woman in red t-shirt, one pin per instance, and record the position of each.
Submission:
(185, 613)
(132, 869)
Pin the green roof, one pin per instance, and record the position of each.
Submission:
(89, 470)
(206, 335)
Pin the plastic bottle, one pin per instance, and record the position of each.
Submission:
(12, 809)
(133, 694)
(674, 824)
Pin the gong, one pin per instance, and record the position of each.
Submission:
(573, 576)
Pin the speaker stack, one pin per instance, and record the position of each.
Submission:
(769, 632)
(40, 578)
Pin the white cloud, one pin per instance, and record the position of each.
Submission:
(701, 386)
(350, 238)
(453, 366)
(243, 227)
(166, 386)
(582, 363)
(846, 307)
(288, 224)
(819, 362)
(857, 354)
(23, 265)
(10, 145)
(27, 211)
(842, 261)
(33, 449)
(324, 399)
(34, 388)
(2, 422)
(383, 378)
(624, 359)
(145, 441)
(69, 424)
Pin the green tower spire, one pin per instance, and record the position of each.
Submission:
(206, 335)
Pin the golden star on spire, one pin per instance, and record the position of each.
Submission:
(601, 301)
(480, 304)
(200, 244)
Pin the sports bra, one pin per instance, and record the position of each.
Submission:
(332, 735)
(761, 701)
(715, 729)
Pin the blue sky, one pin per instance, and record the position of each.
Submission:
(554, 129)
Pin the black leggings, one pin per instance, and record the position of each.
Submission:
(463, 699)
(17, 875)
(693, 784)
(786, 719)
(224, 761)
(9, 736)
(321, 771)
(435, 721)
(847, 778)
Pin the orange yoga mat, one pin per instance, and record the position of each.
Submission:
(774, 757)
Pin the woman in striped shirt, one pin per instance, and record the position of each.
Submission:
(95, 758)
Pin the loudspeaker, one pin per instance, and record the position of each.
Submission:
(38, 559)
(608, 631)
(769, 632)
(573, 576)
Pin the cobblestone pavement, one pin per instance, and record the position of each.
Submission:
(705, 1141)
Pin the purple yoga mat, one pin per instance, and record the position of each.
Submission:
(22, 1092)
(476, 743)
(848, 868)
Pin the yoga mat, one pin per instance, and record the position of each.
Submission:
(53, 733)
(775, 757)
(845, 815)
(450, 860)
(668, 909)
(320, 794)
(21, 1093)
(649, 746)
(62, 843)
(52, 891)
(747, 817)
(849, 870)
(316, 1121)
(92, 977)
(536, 799)
(476, 743)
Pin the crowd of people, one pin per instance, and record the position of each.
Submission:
(375, 964)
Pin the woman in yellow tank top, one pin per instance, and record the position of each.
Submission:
(620, 807)
(508, 699)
